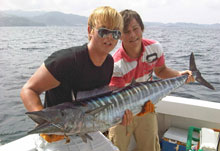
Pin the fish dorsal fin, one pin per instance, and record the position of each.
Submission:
(95, 92)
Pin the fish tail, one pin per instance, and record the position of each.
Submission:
(197, 74)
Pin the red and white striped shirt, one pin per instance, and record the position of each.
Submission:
(140, 69)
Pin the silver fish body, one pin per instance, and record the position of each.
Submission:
(78, 117)
(133, 97)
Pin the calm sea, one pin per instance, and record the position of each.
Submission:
(23, 50)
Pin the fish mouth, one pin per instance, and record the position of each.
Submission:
(45, 115)
(36, 117)
(44, 126)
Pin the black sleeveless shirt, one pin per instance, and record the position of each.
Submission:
(75, 71)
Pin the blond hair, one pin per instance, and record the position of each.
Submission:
(107, 17)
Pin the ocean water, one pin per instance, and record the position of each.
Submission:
(23, 50)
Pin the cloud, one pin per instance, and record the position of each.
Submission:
(196, 11)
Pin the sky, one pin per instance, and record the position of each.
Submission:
(164, 11)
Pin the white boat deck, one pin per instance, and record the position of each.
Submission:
(26, 143)
(183, 112)
(172, 112)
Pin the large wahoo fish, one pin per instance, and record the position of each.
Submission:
(99, 113)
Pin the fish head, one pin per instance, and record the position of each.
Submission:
(60, 120)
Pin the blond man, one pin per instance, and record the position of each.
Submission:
(79, 68)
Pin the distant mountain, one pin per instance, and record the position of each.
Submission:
(181, 25)
(10, 20)
(23, 18)
(41, 18)
(60, 19)
(26, 14)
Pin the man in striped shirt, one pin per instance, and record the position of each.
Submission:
(137, 59)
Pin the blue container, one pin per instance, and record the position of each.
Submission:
(170, 146)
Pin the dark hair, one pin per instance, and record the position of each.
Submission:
(128, 15)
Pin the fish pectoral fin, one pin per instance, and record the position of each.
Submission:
(85, 136)
(98, 110)
(95, 92)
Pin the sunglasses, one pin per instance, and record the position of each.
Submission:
(103, 32)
